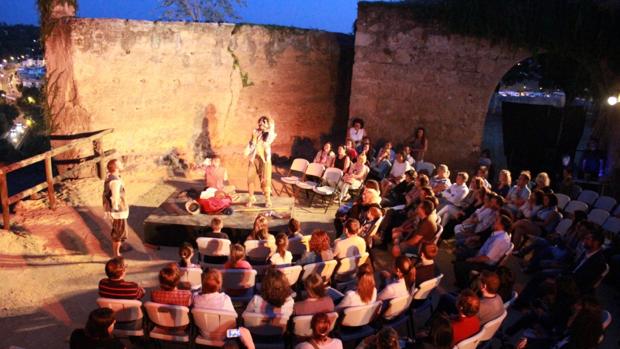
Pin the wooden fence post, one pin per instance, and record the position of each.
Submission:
(98, 145)
(49, 177)
(4, 197)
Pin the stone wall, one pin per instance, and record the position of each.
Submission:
(196, 86)
(408, 75)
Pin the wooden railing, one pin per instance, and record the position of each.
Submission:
(98, 158)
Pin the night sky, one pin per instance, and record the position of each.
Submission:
(330, 15)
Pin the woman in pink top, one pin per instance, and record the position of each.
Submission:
(325, 156)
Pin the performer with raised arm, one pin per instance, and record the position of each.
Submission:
(258, 152)
(115, 206)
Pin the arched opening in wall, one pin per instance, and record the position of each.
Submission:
(540, 116)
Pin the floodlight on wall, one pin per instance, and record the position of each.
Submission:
(612, 100)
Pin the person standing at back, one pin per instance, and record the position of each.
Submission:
(115, 206)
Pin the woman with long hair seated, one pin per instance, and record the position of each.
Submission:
(319, 249)
(400, 280)
(545, 221)
(321, 326)
(504, 183)
(325, 156)
(318, 301)
(366, 291)
(260, 230)
(275, 296)
(281, 256)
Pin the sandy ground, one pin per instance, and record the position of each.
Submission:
(51, 264)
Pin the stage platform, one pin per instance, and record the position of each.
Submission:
(170, 224)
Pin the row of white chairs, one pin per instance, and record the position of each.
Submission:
(255, 249)
(588, 199)
(609, 223)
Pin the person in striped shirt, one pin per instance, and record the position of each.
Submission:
(114, 286)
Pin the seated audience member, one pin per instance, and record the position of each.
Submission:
(275, 296)
(474, 199)
(519, 193)
(439, 335)
(356, 132)
(282, 256)
(319, 249)
(320, 339)
(114, 286)
(381, 165)
(318, 301)
(542, 224)
(244, 341)
(543, 183)
(350, 149)
(452, 198)
(397, 194)
(365, 293)
(483, 174)
(216, 229)
(237, 258)
(370, 197)
(325, 156)
(260, 230)
(352, 244)
(354, 177)
(491, 304)
(467, 323)
(216, 176)
(386, 338)
(211, 296)
(390, 148)
(368, 150)
(424, 232)
(396, 174)
(504, 183)
(407, 151)
(506, 283)
(426, 269)
(341, 160)
(568, 186)
(294, 229)
(372, 217)
(186, 252)
(402, 278)
(487, 256)
(535, 202)
(419, 144)
(441, 181)
(168, 293)
(481, 220)
(411, 198)
(97, 333)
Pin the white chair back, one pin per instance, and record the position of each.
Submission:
(325, 269)
(258, 250)
(588, 196)
(235, 279)
(612, 225)
(292, 273)
(315, 170)
(166, 315)
(512, 299)
(606, 203)
(438, 234)
(298, 245)
(489, 329)
(299, 165)
(563, 199)
(264, 325)
(563, 226)
(332, 176)
(422, 165)
(212, 325)
(375, 228)
(348, 266)
(469, 343)
(576, 206)
(606, 319)
(600, 279)
(396, 306)
(213, 246)
(125, 310)
(360, 315)
(425, 288)
(193, 276)
(598, 216)
(301, 324)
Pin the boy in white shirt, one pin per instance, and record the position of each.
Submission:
(352, 244)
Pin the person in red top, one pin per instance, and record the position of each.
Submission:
(169, 278)
(350, 149)
(467, 323)
(114, 286)
(237, 258)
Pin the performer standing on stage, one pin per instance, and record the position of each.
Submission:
(258, 152)
(115, 206)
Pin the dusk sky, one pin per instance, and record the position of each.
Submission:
(330, 15)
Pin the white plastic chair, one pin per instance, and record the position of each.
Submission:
(602, 276)
(193, 276)
(239, 279)
(212, 247)
(292, 273)
(588, 196)
(509, 302)
(606, 203)
(354, 325)
(314, 170)
(506, 254)
(301, 324)
(612, 225)
(373, 231)
(438, 234)
(165, 317)
(257, 251)
(425, 288)
(563, 199)
(422, 165)
(575, 205)
(298, 168)
(298, 246)
(396, 307)
(212, 325)
(598, 216)
(128, 314)
(469, 343)
(563, 226)
(328, 187)
(347, 267)
(490, 328)
(325, 269)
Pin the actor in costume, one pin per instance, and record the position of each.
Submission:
(258, 152)
(115, 206)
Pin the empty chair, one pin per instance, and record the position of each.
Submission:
(297, 170)
(563, 199)
(490, 328)
(212, 247)
(193, 276)
(563, 226)
(327, 189)
(396, 314)
(313, 172)
(469, 343)
(325, 269)
(301, 324)
(257, 251)
(292, 273)
(429, 167)
(575, 205)
(425, 288)
(612, 225)
(606, 203)
(212, 325)
(171, 322)
(354, 325)
(588, 196)
(239, 284)
(298, 246)
(598, 216)
(128, 314)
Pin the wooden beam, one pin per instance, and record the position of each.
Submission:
(4, 197)
(49, 178)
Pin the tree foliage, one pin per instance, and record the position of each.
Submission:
(201, 10)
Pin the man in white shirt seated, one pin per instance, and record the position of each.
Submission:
(489, 254)
(352, 244)
(452, 197)
(519, 193)
(397, 173)
(481, 220)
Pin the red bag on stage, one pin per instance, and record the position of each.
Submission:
(215, 205)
